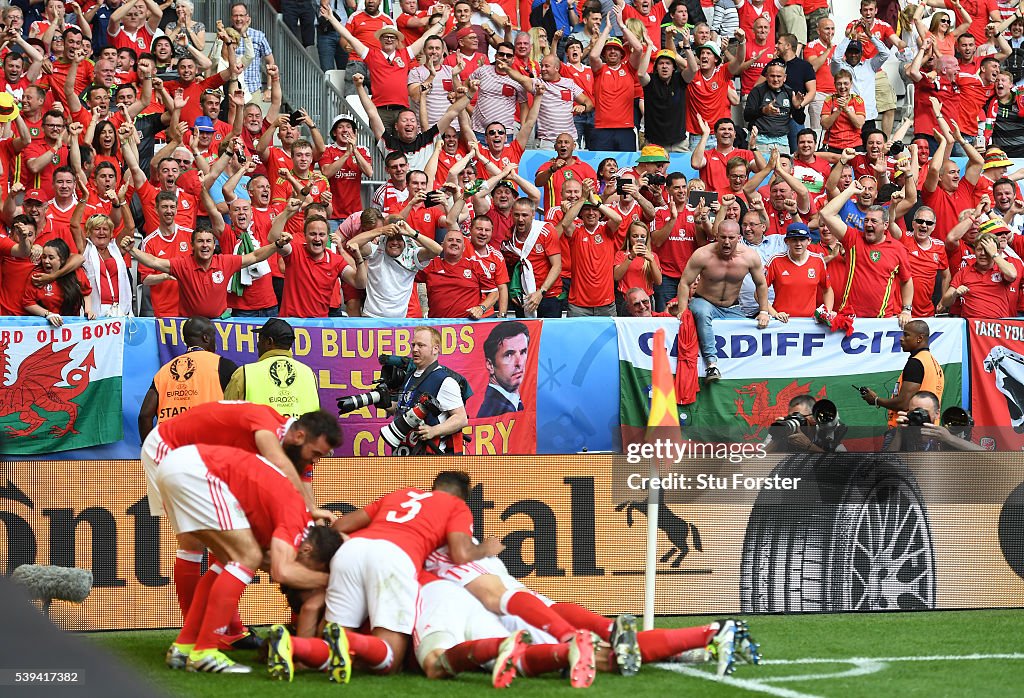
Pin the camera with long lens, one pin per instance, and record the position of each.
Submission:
(958, 421)
(784, 427)
(828, 430)
(397, 434)
(393, 371)
(656, 179)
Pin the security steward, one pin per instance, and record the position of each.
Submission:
(197, 376)
(277, 378)
(921, 372)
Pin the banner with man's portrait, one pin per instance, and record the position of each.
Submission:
(498, 359)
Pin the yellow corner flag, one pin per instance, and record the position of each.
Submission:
(663, 391)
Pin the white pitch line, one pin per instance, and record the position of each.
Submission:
(859, 668)
(872, 663)
(929, 658)
(747, 684)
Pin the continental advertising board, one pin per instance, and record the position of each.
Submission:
(857, 532)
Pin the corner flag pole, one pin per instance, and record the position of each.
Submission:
(663, 422)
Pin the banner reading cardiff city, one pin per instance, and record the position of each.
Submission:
(997, 382)
(498, 360)
(57, 385)
(764, 369)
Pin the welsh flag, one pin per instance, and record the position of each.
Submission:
(764, 369)
(61, 386)
(637, 349)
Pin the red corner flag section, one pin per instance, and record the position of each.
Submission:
(664, 416)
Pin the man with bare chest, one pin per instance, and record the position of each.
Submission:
(719, 270)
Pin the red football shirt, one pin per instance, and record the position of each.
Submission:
(345, 184)
(708, 97)
(14, 273)
(309, 283)
(713, 174)
(223, 423)
(204, 292)
(188, 202)
(260, 293)
(577, 170)
(510, 154)
(593, 255)
(613, 96)
(274, 508)
(164, 295)
(416, 521)
(390, 77)
(494, 266)
(873, 276)
(924, 265)
(947, 206)
(988, 293)
(452, 289)
(582, 76)
(675, 252)
(797, 286)
(51, 296)
(548, 243)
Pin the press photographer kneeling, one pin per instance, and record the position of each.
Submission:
(811, 426)
(921, 429)
(427, 399)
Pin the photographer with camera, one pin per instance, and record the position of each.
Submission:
(811, 426)
(442, 395)
(920, 428)
(427, 399)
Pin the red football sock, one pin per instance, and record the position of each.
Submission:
(187, 572)
(371, 649)
(541, 659)
(235, 625)
(584, 619)
(470, 655)
(533, 611)
(311, 651)
(194, 619)
(222, 603)
(662, 644)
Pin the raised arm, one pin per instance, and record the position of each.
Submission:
(829, 213)
(145, 258)
(372, 115)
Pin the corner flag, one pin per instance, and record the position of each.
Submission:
(662, 422)
(664, 412)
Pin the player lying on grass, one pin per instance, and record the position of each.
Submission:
(454, 633)
(242, 507)
(374, 575)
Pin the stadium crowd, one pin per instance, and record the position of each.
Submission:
(128, 134)
(137, 150)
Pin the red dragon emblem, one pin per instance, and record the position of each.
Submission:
(762, 412)
(35, 389)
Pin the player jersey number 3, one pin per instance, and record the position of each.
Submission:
(411, 505)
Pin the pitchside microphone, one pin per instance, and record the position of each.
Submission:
(49, 582)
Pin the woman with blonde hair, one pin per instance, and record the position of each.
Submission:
(636, 266)
(111, 292)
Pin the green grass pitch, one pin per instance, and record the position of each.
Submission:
(942, 653)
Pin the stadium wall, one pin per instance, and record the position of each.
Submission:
(856, 532)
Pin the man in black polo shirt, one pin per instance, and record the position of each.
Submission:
(800, 77)
(665, 99)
